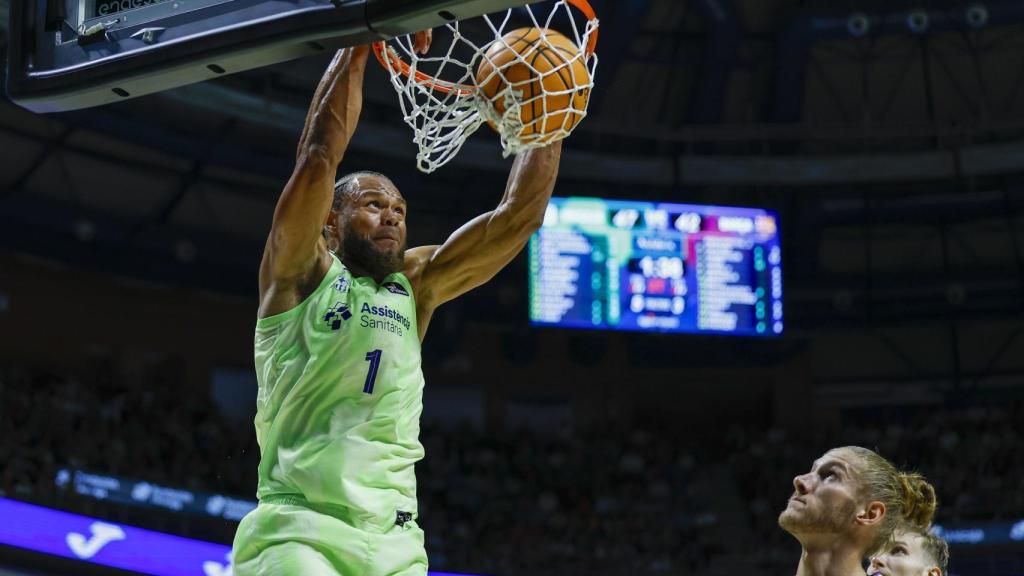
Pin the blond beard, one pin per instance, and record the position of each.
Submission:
(817, 522)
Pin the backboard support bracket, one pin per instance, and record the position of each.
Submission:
(122, 49)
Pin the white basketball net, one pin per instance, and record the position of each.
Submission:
(442, 120)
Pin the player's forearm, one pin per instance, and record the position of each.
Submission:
(334, 111)
(529, 189)
(474, 253)
(306, 199)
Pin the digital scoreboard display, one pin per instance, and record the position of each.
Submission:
(624, 265)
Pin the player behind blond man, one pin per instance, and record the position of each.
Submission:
(911, 552)
(343, 309)
(848, 506)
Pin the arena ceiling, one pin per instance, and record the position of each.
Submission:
(841, 115)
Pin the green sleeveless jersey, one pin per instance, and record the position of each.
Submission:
(339, 401)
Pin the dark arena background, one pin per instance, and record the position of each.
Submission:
(885, 138)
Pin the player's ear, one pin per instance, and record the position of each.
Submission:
(872, 514)
(935, 571)
(331, 223)
(330, 231)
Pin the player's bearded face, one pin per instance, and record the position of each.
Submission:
(824, 500)
(359, 247)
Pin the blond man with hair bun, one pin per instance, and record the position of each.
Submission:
(848, 507)
(911, 552)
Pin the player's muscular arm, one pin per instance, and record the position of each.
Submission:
(295, 256)
(483, 246)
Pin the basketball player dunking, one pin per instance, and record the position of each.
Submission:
(343, 309)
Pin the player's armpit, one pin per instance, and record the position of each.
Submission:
(415, 260)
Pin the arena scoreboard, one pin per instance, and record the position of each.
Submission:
(624, 265)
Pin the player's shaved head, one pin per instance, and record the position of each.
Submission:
(348, 186)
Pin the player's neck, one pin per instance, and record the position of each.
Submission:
(831, 560)
(359, 271)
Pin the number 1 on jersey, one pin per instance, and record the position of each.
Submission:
(373, 357)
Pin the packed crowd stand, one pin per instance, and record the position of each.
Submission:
(552, 502)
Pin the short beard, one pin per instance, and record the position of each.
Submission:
(362, 252)
(818, 522)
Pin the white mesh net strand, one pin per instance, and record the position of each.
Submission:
(444, 113)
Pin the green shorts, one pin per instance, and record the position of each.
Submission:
(294, 540)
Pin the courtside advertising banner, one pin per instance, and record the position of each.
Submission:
(121, 546)
(107, 543)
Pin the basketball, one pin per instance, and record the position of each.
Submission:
(545, 69)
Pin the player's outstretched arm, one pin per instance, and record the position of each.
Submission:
(295, 255)
(484, 245)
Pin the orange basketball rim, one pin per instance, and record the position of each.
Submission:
(382, 51)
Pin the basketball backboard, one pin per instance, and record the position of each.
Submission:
(72, 54)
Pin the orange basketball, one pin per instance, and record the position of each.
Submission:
(542, 67)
